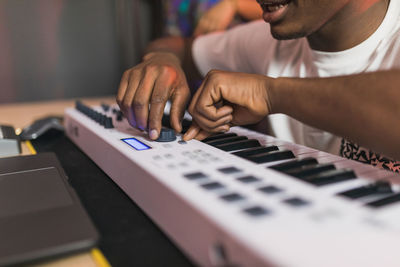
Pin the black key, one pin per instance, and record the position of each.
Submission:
(248, 179)
(256, 211)
(226, 140)
(105, 107)
(120, 115)
(218, 136)
(296, 163)
(271, 156)
(254, 151)
(229, 170)
(108, 124)
(195, 175)
(270, 189)
(330, 177)
(243, 144)
(212, 185)
(231, 197)
(296, 202)
(380, 187)
(309, 170)
(384, 201)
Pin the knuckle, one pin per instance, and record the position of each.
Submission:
(150, 68)
(198, 109)
(167, 70)
(139, 104)
(158, 99)
(118, 99)
(126, 74)
(125, 103)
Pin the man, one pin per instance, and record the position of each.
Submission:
(329, 64)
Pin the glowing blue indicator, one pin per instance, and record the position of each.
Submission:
(136, 144)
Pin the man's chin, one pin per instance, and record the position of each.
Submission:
(282, 35)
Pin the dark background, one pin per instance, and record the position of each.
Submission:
(52, 49)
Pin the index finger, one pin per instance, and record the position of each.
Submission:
(157, 104)
(206, 103)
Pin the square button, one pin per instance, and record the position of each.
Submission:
(231, 197)
(195, 175)
(296, 202)
(248, 179)
(212, 185)
(270, 189)
(229, 170)
(256, 211)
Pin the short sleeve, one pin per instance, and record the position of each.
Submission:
(242, 49)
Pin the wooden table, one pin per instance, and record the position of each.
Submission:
(21, 115)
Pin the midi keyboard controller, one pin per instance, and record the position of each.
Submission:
(247, 199)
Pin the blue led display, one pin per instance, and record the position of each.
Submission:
(136, 144)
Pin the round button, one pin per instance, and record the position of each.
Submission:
(166, 135)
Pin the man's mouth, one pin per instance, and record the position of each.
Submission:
(272, 5)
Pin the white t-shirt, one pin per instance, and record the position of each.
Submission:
(250, 48)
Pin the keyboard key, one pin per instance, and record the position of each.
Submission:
(248, 179)
(256, 211)
(254, 151)
(225, 140)
(384, 201)
(271, 156)
(212, 185)
(296, 202)
(218, 136)
(243, 144)
(195, 175)
(232, 197)
(330, 177)
(296, 163)
(229, 170)
(380, 187)
(309, 170)
(270, 189)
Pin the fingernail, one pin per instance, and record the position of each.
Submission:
(153, 134)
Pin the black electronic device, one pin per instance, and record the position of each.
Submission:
(40, 213)
(41, 126)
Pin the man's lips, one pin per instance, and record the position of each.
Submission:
(274, 10)
(272, 5)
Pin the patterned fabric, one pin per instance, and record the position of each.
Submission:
(182, 15)
(353, 151)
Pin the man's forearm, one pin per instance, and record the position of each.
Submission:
(364, 108)
(248, 9)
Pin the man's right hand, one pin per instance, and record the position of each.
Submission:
(145, 89)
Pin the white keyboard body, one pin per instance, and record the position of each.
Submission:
(329, 231)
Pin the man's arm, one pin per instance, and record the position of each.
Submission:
(363, 108)
(145, 88)
(222, 14)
